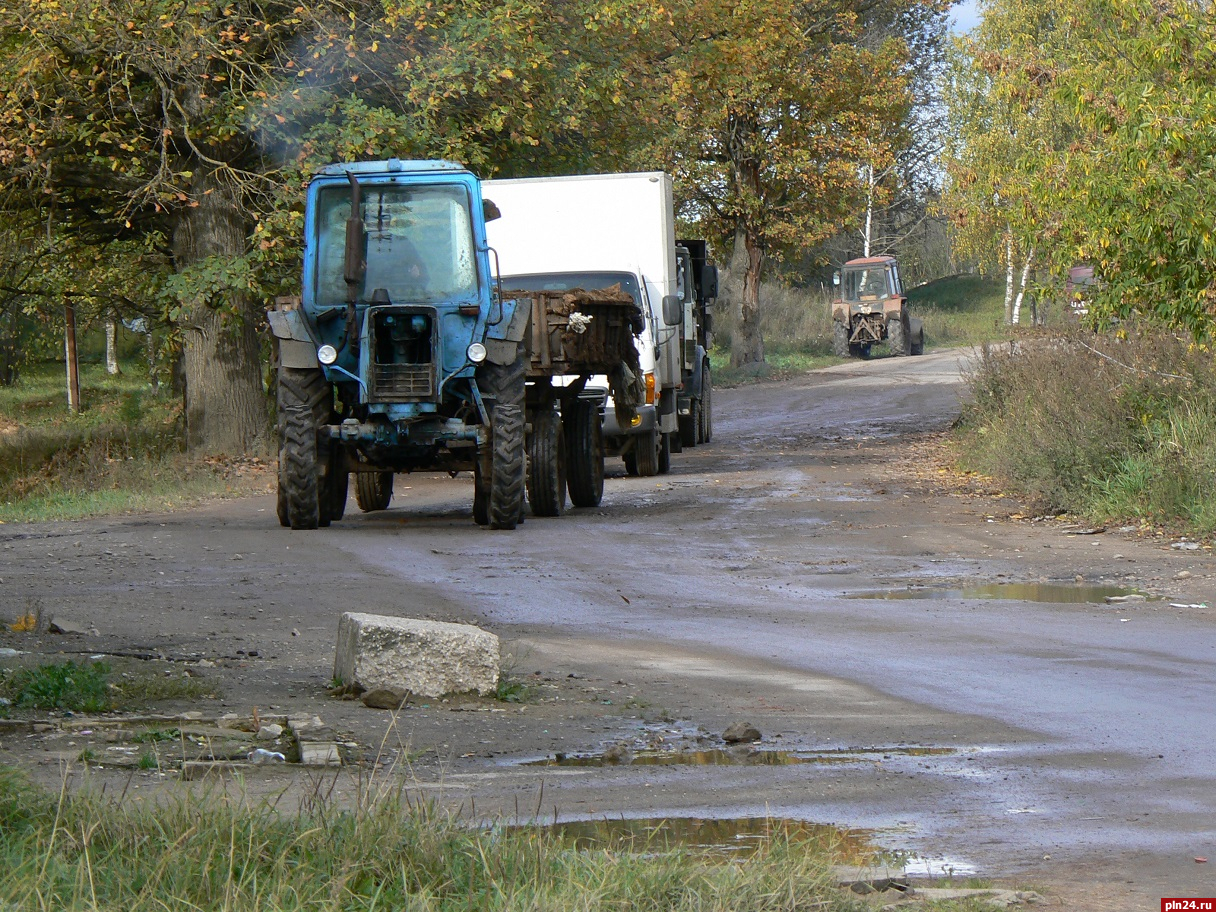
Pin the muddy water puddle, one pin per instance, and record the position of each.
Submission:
(617, 756)
(1045, 593)
(729, 836)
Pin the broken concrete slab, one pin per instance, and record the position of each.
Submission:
(319, 753)
(427, 658)
(866, 879)
(992, 897)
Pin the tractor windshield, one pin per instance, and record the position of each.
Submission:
(419, 243)
(866, 284)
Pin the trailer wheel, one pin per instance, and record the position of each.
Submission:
(840, 340)
(305, 403)
(584, 453)
(645, 455)
(705, 433)
(504, 386)
(547, 464)
(899, 337)
(373, 490)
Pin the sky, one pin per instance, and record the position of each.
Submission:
(965, 16)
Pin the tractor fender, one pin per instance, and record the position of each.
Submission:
(504, 337)
(297, 349)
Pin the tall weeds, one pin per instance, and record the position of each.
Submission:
(223, 852)
(1119, 426)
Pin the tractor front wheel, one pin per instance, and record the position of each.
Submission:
(305, 402)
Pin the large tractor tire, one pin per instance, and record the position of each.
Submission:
(918, 336)
(373, 490)
(584, 453)
(547, 464)
(503, 385)
(335, 488)
(305, 402)
(840, 340)
(899, 337)
(705, 423)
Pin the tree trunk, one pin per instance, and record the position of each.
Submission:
(748, 343)
(69, 357)
(225, 407)
(1017, 303)
(111, 348)
(1009, 275)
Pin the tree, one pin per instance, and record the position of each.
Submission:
(771, 112)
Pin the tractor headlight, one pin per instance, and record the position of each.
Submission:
(476, 353)
(327, 354)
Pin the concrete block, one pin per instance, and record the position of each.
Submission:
(427, 658)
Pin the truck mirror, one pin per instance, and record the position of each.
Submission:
(709, 282)
(490, 210)
(835, 278)
(673, 310)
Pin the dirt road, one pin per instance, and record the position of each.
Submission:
(811, 572)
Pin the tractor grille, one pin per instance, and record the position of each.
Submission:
(402, 382)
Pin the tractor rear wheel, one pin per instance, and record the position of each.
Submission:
(547, 463)
(899, 337)
(840, 340)
(305, 401)
(373, 490)
(584, 453)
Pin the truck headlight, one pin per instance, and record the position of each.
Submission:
(327, 354)
(476, 353)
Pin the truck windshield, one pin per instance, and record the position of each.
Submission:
(419, 243)
(868, 284)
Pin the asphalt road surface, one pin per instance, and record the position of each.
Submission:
(812, 571)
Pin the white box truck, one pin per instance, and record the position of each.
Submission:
(595, 231)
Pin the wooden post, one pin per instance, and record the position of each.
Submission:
(69, 344)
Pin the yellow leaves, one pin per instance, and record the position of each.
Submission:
(27, 623)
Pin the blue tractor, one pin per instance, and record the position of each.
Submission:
(401, 354)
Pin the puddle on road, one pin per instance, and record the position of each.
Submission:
(725, 837)
(1047, 593)
(738, 757)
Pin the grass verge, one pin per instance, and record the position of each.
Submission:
(94, 687)
(216, 851)
(121, 452)
(1117, 427)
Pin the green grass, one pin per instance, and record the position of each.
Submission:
(122, 452)
(960, 310)
(96, 687)
(216, 851)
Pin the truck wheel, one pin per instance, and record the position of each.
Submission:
(280, 505)
(690, 424)
(899, 337)
(547, 464)
(840, 340)
(645, 454)
(705, 430)
(373, 490)
(584, 454)
(504, 385)
(664, 453)
(305, 403)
